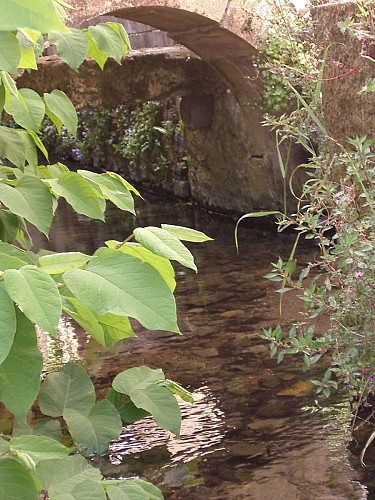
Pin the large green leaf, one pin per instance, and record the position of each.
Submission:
(79, 194)
(123, 285)
(106, 329)
(16, 482)
(57, 263)
(17, 146)
(164, 244)
(60, 109)
(86, 490)
(141, 385)
(162, 405)
(127, 492)
(127, 410)
(9, 226)
(72, 46)
(94, 52)
(29, 199)
(161, 264)
(27, 109)
(137, 379)
(95, 429)
(107, 40)
(153, 492)
(37, 295)
(8, 322)
(186, 234)
(38, 14)
(20, 372)
(10, 54)
(112, 189)
(70, 388)
(61, 476)
(11, 251)
(38, 448)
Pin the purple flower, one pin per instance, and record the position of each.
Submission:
(358, 274)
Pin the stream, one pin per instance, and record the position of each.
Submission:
(255, 430)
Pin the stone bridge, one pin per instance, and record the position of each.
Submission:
(224, 33)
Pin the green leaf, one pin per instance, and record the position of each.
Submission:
(112, 189)
(86, 490)
(137, 379)
(79, 194)
(27, 109)
(4, 446)
(126, 491)
(140, 384)
(94, 52)
(9, 226)
(68, 389)
(72, 46)
(162, 405)
(38, 142)
(10, 54)
(29, 199)
(123, 285)
(161, 264)
(153, 492)
(60, 109)
(16, 482)
(120, 30)
(106, 329)
(127, 410)
(8, 322)
(35, 292)
(17, 146)
(38, 14)
(186, 234)
(38, 447)
(20, 372)
(252, 215)
(177, 389)
(95, 429)
(165, 244)
(58, 263)
(124, 182)
(107, 40)
(11, 251)
(61, 476)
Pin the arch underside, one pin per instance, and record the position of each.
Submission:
(228, 53)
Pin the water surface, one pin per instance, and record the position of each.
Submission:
(254, 431)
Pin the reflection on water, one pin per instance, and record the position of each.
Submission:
(251, 434)
(202, 430)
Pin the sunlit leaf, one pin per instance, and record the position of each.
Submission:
(165, 244)
(20, 372)
(123, 285)
(38, 14)
(10, 54)
(107, 40)
(28, 112)
(72, 46)
(57, 263)
(186, 234)
(79, 194)
(60, 109)
(17, 146)
(29, 199)
(35, 292)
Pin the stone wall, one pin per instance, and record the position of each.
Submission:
(347, 112)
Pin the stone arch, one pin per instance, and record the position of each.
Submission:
(217, 31)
